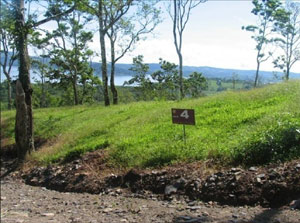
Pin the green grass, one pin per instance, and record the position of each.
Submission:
(242, 127)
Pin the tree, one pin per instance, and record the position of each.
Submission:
(8, 47)
(144, 84)
(120, 8)
(265, 11)
(234, 78)
(24, 117)
(69, 56)
(167, 80)
(196, 83)
(287, 25)
(180, 16)
(41, 68)
(127, 33)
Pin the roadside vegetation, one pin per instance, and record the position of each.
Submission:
(235, 127)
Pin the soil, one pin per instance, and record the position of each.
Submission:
(90, 190)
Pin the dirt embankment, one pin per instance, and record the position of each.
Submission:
(184, 193)
(270, 186)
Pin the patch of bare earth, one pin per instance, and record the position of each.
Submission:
(94, 191)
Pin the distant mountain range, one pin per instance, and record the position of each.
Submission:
(209, 72)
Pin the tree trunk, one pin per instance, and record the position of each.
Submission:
(256, 74)
(112, 84)
(112, 73)
(76, 101)
(9, 102)
(181, 75)
(178, 47)
(43, 99)
(24, 130)
(103, 55)
(287, 76)
(21, 130)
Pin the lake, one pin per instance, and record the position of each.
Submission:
(119, 80)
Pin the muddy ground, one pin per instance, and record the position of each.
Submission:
(89, 190)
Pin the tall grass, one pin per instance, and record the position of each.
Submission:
(242, 127)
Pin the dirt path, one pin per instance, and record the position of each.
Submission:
(23, 203)
(35, 204)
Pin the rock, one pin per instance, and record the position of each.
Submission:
(231, 195)
(295, 204)
(179, 184)
(131, 177)
(205, 214)
(170, 189)
(48, 214)
(235, 216)
(107, 210)
(235, 170)
(194, 208)
(189, 219)
(212, 179)
(262, 176)
(273, 175)
(192, 203)
(253, 169)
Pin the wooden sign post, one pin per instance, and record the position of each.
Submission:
(183, 116)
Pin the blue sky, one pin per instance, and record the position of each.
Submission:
(213, 37)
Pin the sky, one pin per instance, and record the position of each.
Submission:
(213, 37)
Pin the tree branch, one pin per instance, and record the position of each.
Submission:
(54, 17)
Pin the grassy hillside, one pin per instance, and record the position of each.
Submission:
(248, 127)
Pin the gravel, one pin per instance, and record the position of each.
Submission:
(24, 203)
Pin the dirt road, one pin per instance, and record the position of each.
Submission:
(23, 203)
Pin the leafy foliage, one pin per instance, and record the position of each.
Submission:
(164, 84)
(69, 57)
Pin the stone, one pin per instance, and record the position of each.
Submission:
(179, 184)
(48, 214)
(295, 204)
(107, 210)
(253, 169)
(189, 219)
(262, 176)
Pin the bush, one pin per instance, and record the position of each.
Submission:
(280, 143)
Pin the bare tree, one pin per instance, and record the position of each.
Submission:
(265, 11)
(127, 33)
(180, 16)
(120, 8)
(288, 27)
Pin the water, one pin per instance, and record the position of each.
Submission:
(119, 80)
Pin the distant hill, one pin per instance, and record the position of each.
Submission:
(208, 72)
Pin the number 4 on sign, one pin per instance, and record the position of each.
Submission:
(185, 114)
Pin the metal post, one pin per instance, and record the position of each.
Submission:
(184, 136)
